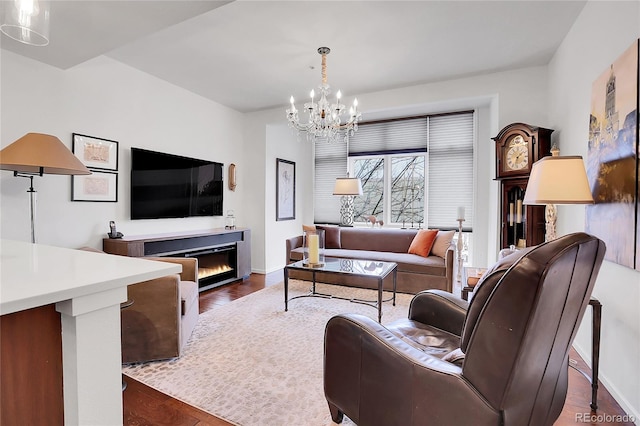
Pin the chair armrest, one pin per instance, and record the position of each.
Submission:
(367, 369)
(292, 243)
(440, 309)
(189, 266)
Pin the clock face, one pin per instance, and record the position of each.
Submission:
(517, 154)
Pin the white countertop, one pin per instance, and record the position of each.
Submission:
(34, 275)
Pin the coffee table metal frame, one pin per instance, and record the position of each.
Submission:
(332, 266)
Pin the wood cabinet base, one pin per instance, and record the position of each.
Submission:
(31, 367)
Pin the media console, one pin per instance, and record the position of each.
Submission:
(224, 255)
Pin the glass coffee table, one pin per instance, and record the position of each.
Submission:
(373, 269)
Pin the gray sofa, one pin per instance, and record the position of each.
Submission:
(415, 273)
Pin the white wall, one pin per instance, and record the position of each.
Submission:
(501, 98)
(283, 143)
(106, 99)
(601, 33)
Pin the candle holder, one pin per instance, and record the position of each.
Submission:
(313, 248)
(459, 247)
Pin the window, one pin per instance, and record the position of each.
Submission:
(414, 171)
(405, 203)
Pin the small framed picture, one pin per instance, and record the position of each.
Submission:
(98, 186)
(285, 190)
(96, 153)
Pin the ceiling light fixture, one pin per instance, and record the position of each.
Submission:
(26, 21)
(325, 120)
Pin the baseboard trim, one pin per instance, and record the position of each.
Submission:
(611, 388)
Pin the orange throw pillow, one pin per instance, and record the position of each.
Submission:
(423, 241)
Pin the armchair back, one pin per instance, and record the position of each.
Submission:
(518, 339)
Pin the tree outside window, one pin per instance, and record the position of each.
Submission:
(404, 175)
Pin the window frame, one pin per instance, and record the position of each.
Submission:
(387, 177)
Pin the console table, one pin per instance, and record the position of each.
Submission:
(233, 243)
(67, 365)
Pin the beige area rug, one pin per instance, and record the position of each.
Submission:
(251, 363)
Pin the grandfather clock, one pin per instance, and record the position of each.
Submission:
(518, 146)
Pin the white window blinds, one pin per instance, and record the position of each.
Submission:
(330, 163)
(448, 140)
(450, 170)
(388, 137)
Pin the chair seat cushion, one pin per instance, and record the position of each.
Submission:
(429, 339)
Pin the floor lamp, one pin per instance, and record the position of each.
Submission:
(557, 180)
(35, 154)
(347, 188)
(563, 180)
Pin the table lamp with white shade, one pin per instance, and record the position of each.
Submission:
(347, 188)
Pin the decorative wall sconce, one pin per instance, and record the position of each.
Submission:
(232, 177)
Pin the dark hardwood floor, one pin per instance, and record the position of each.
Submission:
(144, 406)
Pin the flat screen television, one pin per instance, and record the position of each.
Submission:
(170, 186)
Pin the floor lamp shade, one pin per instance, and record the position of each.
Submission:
(35, 154)
(41, 154)
(558, 180)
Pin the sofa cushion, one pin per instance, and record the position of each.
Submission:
(412, 263)
(442, 243)
(422, 242)
(331, 236)
(377, 239)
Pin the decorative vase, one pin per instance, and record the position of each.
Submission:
(313, 243)
(230, 220)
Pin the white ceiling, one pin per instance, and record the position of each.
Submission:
(252, 55)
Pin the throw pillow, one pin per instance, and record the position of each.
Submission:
(331, 237)
(308, 228)
(423, 241)
(442, 243)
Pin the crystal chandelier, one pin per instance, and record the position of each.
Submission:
(325, 120)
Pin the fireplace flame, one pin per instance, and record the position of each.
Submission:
(204, 272)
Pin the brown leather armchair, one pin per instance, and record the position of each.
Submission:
(501, 360)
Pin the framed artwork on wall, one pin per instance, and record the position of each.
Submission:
(285, 190)
(96, 153)
(612, 160)
(98, 186)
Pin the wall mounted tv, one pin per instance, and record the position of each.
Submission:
(169, 186)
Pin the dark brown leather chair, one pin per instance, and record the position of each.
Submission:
(501, 360)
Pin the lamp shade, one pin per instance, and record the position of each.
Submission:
(40, 153)
(26, 21)
(558, 180)
(347, 186)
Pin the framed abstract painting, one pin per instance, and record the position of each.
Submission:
(612, 159)
(285, 190)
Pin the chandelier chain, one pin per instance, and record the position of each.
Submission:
(325, 119)
(324, 68)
